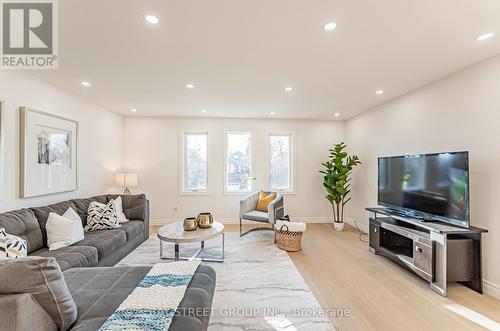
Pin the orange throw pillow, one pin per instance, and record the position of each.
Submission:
(264, 201)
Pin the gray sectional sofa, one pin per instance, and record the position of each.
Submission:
(96, 287)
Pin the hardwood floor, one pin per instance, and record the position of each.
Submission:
(379, 294)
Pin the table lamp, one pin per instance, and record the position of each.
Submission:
(126, 181)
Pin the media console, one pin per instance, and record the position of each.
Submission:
(437, 252)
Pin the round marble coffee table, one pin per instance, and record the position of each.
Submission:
(176, 234)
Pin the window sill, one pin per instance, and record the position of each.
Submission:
(193, 193)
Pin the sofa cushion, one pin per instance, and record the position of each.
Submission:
(102, 216)
(65, 230)
(133, 228)
(72, 256)
(12, 247)
(134, 206)
(42, 214)
(23, 223)
(82, 206)
(256, 215)
(43, 279)
(99, 291)
(106, 241)
(198, 297)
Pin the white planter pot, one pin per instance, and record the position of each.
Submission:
(338, 226)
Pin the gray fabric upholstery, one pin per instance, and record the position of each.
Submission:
(15, 309)
(99, 291)
(72, 256)
(82, 206)
(255, 215)
(133, 228)
(248, 203)
(43, 279)
(42, 214)
(106, 241)
(135, 207)
(23, 223)
(117, 255)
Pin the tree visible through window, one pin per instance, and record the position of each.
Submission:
(195, 162)
(239, 162)
(280, 165)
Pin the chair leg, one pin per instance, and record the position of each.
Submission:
(241, 228)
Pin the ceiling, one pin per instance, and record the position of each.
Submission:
(242, 54)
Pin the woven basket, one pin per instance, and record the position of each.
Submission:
(288, 240)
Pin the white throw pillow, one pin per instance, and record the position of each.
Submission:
(12, 247)
(101, 216)
(65, 230)
(119, 210)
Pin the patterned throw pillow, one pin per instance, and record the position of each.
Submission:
(102, 217)
(12, 247)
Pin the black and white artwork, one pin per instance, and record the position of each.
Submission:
(49, 154)
(54, 148)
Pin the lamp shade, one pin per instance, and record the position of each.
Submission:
(126, 180)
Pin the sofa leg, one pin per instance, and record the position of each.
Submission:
(241, 229)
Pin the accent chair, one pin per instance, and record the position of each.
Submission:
(248, 212)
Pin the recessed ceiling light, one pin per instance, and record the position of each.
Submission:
(485, 36)
(190, 85)
(204, 111)
(329, 26)
(85, 83)
(151, 19)
(379, 92)
(272, 113)
(288, 89)
(336, 114)
(133, 110)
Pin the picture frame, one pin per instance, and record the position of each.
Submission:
(48, 153)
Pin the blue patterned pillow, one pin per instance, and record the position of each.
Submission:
(12, 247)
(102, 217)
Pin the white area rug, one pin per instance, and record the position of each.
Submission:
(258, 286)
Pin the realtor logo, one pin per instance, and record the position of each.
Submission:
(29, 34)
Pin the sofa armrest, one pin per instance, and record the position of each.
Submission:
(136, 207)
(248, 203)
(22, 312)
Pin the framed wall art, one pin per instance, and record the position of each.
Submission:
(49, 153)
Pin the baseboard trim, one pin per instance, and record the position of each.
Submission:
(361, 225)
(232, 220)
(491, 289)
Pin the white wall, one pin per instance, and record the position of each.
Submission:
(461, 112)
(100, 138)
(152, 149)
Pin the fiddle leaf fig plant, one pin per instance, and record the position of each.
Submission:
(336, 180)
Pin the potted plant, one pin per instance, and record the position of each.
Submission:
(336, 180)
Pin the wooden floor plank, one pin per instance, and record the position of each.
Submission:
(380, 295)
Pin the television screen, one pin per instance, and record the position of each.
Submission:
(430, 186)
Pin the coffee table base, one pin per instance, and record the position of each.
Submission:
(177, 256)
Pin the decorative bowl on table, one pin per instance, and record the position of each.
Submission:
(190, 224)
(205, 220)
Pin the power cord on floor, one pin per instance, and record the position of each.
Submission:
(361, 233)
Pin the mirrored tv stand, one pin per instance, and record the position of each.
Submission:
(437, 252)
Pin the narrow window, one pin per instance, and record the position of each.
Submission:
(195, 165)
(238, 162)
(281, 162)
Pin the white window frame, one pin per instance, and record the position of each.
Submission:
(226, 155)
(183, 189)
(291, 189)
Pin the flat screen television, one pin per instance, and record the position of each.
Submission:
(431, 187)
